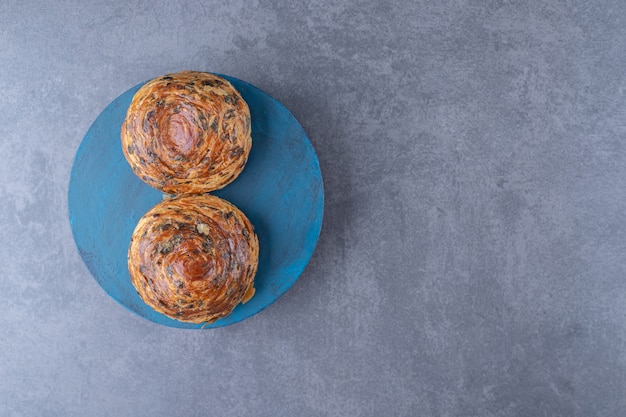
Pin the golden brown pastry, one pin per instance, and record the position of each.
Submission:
(187, 133)
(194, 258)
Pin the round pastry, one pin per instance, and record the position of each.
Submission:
(187, 133)
(194, 258)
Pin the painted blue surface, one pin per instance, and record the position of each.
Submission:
(280, 190)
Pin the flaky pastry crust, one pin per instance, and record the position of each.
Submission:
(194, 258)
(187, 133)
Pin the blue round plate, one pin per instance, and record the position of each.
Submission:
(280, 190)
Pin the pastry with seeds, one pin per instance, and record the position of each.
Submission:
(194, 258)
(187, 133)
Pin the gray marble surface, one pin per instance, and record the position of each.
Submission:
(472, 259)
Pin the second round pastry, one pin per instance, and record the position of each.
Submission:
(194, 258)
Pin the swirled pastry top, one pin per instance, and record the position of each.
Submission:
(187, 133)
(194, 258)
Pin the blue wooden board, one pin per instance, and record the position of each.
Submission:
(280, 190)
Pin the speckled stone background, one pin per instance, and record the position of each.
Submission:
(472, 260)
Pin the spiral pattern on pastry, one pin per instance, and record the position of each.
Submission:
(194, 258)
(187, 133)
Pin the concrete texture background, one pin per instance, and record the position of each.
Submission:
(471, 261)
